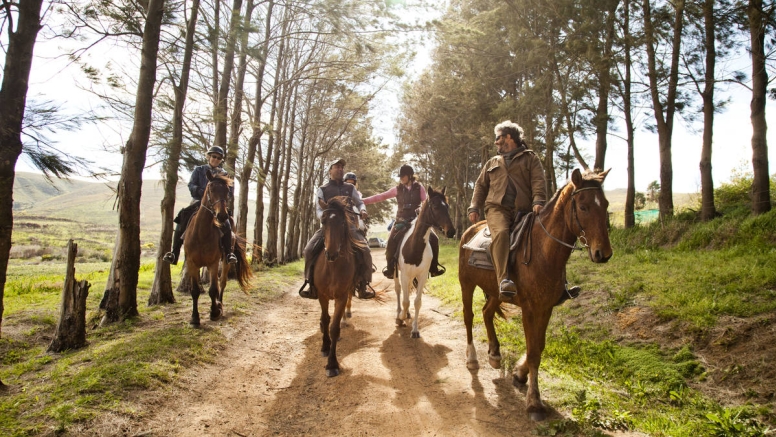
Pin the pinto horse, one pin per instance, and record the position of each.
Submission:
(415, 254)
(201, 243)
(335, 272)
(576, 212)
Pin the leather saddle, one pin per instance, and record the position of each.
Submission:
(479, 244)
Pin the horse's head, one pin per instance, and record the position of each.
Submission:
(589, 218)
(336, 227)
(437, 212)
(217, 195)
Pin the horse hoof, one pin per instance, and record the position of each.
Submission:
(324, 354)
(194, 323)
(332, 372)
(348, 314)
(415, 334)
(472, 365)
(399, 322)
(517, 381)
(494, 361)
(537, 416)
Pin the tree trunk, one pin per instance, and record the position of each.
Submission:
(123, 300)
(761, 195)
(13, 98)
(71, 330)
(708, 211)
(630, 196)
(601, 119)
(284, 234)
(226, 81)
(258, 229)
(161, 290)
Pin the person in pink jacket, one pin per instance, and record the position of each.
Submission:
(408, 194)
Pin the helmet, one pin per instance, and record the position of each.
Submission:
(335, 161)
(406, 170)
(350, 176)
(216, 149)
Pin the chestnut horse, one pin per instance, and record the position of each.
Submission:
(576, 212)
(415, 254)
(201, 243)
(335, 272)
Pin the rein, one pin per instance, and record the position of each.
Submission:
(211, 206)
(581, 236)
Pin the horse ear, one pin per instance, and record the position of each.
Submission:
(209, 175)
(443, 190)
(603, 175)
(430, 190)
(576, 178)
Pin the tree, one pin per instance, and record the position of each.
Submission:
(653, 191)
(122, 293)
(13, 97)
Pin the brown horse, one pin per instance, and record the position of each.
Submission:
(415, 254)
(335, 272)
(201, 243)
(576, 212)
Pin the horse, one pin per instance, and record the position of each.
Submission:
(201, 243)
(578, 211)
(415, 254)
(335, 273)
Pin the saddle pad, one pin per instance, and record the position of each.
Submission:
(481, 241)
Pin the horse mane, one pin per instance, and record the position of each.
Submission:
(562, 195)
(342, 203)
(223, 178)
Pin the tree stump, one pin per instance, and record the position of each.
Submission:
(71, 331)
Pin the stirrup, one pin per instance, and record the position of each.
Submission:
(311, 293)
(438, 272)
(569, 293)
(363, 293)
(231, 259)
(170, 258)
(388, 274)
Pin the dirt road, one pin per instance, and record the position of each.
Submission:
(270, 379)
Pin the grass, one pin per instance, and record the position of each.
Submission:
(51, 392)
(687, 273)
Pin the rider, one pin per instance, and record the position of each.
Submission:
(409, 194)
(197, 184)
(510, 185)
(336, 187)
(352, 179)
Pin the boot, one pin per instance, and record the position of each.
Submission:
(177, 242)
(507, 290)
(362, 292)
(390, 268)
(436, 269)
(310, 293)
(569, 293)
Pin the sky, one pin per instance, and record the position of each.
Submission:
(52, 80)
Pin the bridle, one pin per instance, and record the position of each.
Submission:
(432, 216)
(575, 217)
(210, 206)
(345, 225)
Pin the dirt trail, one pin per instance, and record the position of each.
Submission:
(270, 379)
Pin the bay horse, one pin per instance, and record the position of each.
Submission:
(578, 211)
(201, 243)
(415, 254)
(335, 272)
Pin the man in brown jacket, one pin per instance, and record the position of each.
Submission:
(511, 182)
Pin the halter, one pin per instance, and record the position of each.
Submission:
(581, 237)
(345, 224)
(430, 213)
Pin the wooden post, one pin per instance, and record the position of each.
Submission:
(71, 331)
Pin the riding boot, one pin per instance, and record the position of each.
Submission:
(366, 275)
(226, 242)
(435, 269)
(311, 251)
(177, 242)
(390, 253)
(507, 290)
(569, 293)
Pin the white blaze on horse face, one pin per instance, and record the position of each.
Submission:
(332, 216)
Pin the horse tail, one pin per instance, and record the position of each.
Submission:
(243, 267)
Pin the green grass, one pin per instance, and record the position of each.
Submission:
(688, 273)
(50, 392)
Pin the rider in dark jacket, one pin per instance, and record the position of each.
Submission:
(197, 184)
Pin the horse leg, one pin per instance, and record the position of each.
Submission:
(222, 279)
(325, 319)
(535, 327)
(467, 297)
(418, 303)
(494, 348)
(397, 288)
(196, 289)
(214, 292)
(332, 367)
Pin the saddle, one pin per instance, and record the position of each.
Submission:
(480, 243)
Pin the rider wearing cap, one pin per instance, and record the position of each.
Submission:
(197, 184)
(336, 187)
(408, 194)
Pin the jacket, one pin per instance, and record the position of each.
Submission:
(527, 172)
(198, 180)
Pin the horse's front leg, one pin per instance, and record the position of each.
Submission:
(397, 287)
(535, 327)
(494, 348)
(418, 301)
(222, 279)
(196, 290)
(325, 319)
(332, 367)
(216, 308)
(467, 298)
